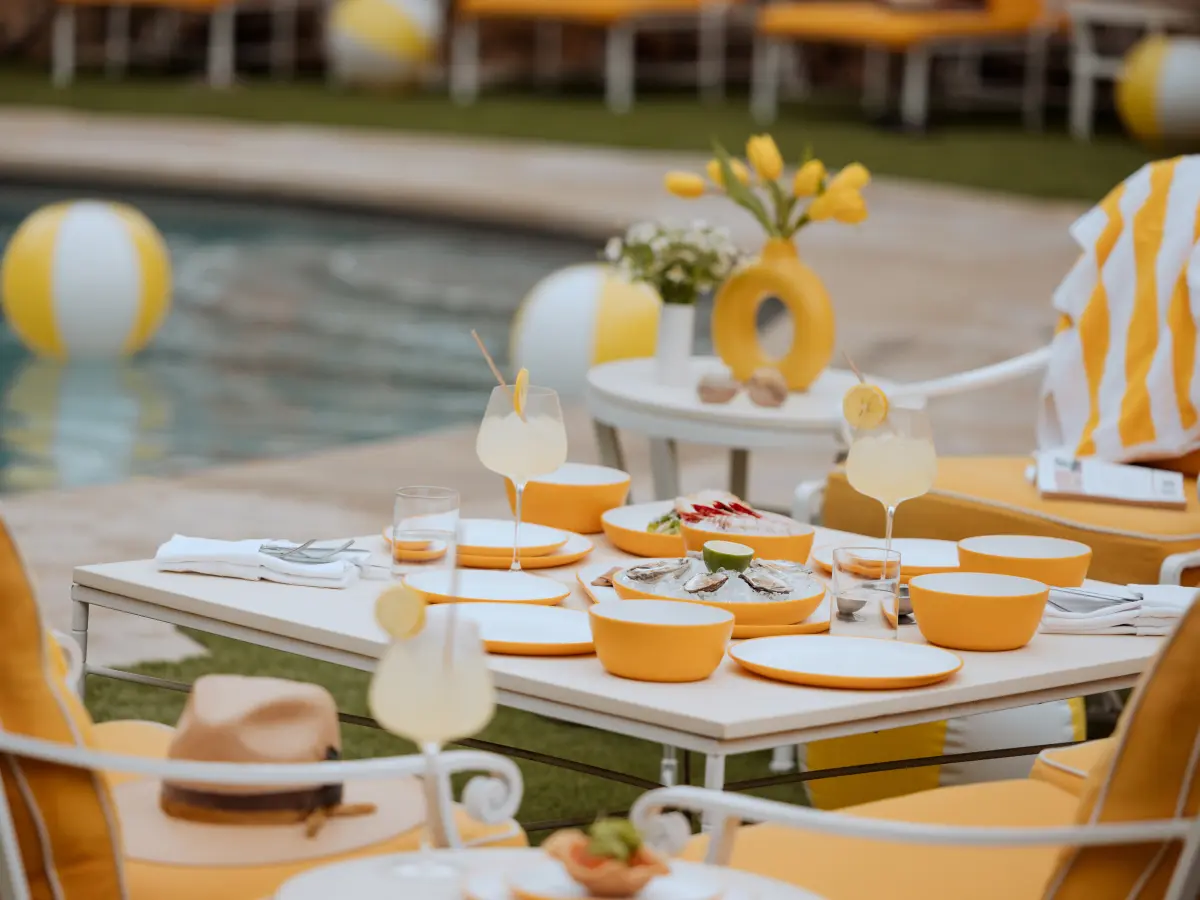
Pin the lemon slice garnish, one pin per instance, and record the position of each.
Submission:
(865, 406)
(400, 611)
(520, 392)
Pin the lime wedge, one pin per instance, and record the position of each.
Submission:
(727, 555)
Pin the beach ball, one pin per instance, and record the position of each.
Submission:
(1025, 726)
(577, 318)
(381, 43)
(86, 280)
(1158, 91)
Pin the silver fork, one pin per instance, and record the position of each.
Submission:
(303, 555)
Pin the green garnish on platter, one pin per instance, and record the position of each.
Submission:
(665, 524)
(613, 839)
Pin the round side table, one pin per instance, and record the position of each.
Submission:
(625, 394)
(373, 878)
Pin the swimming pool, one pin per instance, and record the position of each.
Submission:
(292, 330)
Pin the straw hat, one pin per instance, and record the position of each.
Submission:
(230, 718)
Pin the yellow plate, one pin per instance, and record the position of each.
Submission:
(625, 526)
(522, 630)
(918, 556)
(575, 549)
(818, 623)
(481, 586)
(865, 664)
(415, 551)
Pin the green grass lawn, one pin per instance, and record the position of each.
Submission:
(984, 151)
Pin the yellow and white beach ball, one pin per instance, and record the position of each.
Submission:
(577, 318)
(1158, 91)
(381, 43)
(1026, 726)
(86, 280)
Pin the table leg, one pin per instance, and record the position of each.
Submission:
(783, 759)
(609, 443)
(664, 469)
(669, 773)
(714, 780)
(80, 613)
(739, 473)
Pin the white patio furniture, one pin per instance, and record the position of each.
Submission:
(1089, 64)
(491, 799)
(620, 62)
(731, 810)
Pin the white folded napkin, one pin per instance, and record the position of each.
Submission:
(1161, 607)
(245, 559)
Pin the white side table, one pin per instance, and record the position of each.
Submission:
(625, 394)
(373, 879)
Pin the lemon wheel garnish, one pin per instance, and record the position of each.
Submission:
(865, 406)
(400, 611)
(520, 392)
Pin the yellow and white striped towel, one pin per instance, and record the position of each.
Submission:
(1123, 381)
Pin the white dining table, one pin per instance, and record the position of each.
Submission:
(731, 712)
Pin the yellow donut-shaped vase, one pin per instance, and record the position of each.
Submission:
(778, 273)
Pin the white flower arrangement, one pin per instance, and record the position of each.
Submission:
(679, 262)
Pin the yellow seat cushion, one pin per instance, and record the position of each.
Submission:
(1068, 767)
(150, 881)
(850, 869)
(875, 23)
(990, 495)
(595, 12)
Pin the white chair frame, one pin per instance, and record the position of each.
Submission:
(221, 63)
(491, 799)
(1089, 66)
(727, 812)
(620, 67)
(768, 70)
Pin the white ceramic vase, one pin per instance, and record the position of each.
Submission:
(676, 337)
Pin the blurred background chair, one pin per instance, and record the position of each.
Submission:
(916, 34)
(1091, 62)
(621, 20)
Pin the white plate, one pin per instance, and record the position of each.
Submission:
(589, 573)
(486, 586)
(846, 662)
(549, 881)
(923, 554)
(575, 549)
(522, 630)
(494, 537)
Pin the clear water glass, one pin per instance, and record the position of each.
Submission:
(424, 528)
(865, 593)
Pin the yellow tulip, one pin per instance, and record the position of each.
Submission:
(844, 205)
(809, 178)
(740, 172)
(854, 177)
(685, 184)
(764, 157)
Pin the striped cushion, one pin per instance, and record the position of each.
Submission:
(65, 822)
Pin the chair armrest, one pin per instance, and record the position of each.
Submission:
(1176, 564)
(74, 656)
(976, 379)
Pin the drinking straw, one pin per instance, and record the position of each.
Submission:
(487, 356)
(853, 368)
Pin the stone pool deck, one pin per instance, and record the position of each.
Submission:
(939, 280)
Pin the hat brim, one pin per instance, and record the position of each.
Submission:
(152, 836)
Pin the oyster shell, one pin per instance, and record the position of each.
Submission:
(780, 566)
(605, 580)
(765, 582)
(648, 573)
(705, 582)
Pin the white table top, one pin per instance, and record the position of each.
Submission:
(625, 394)
(731, 705)
(373, 878)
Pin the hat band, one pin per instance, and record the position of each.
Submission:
(304, 801)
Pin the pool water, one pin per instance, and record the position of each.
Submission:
(292, 330)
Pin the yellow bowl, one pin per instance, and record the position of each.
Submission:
(977, 610)
(792, 547)
(1053, 561)
(572, 498)
(770, 612)
(660, 640)
(625, 527)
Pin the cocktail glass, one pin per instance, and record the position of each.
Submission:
(522, 446)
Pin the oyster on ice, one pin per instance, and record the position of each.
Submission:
(784, 566)
(705, 582)
(764, 582)
(648, 573)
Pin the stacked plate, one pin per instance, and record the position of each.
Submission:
(488, 544)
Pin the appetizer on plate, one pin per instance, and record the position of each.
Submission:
(608, 860)
(715, 510)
